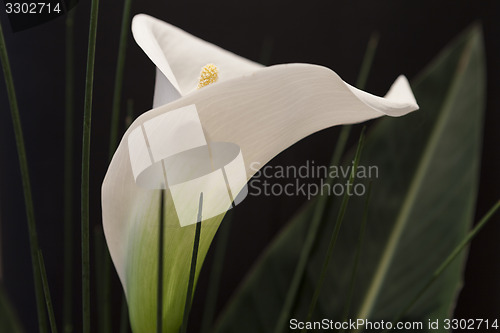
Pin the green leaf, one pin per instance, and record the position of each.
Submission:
(8, 318)
(422, 206)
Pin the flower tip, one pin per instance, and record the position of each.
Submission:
(209, 74)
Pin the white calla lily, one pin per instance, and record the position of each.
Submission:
(263, 110)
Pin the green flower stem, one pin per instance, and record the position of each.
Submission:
(192, 272)
(453, 255)
(322, 201)
(46, 290)
(216, 273)
(105, 313)
(23, 165)
(120, 67)
(68, 176)
(86, 166)
(336, 229)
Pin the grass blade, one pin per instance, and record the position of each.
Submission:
(216, 273)
(371, 48)
(23, 165)
(105, 313)
(323, 200)
(338, 223)
(120, 66)
(86, 166)
(46, 290)
(68, 176)
(318, 216)
(357, 255)
(192, 272)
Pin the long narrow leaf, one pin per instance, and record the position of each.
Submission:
(89, 83)
(23, 165)
(68, 175)
(192, 272)
(46, 291)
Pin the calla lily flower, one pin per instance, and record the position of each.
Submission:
(262, 110)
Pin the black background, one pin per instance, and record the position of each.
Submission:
(330, 33)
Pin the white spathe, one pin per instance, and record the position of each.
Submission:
(170, 151)
(263, 110)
